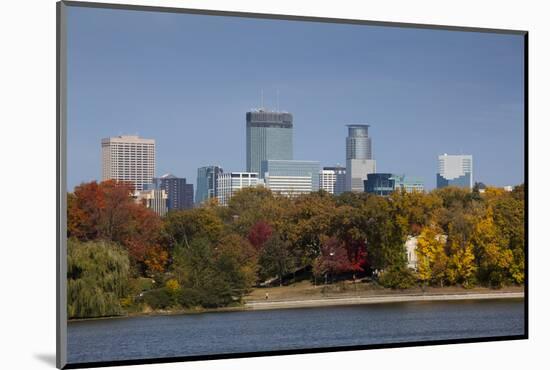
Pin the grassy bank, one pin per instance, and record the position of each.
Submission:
(305, 294)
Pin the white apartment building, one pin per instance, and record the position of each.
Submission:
(228, 183)
(333, 180)
(455, 170)
(128, 158)
(291, 186)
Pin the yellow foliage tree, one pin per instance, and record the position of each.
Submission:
(431, 256)
(494, 258)
(461, 268)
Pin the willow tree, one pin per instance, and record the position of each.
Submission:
(97, 277)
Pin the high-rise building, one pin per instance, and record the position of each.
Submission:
(386, 183)
(455, 170)
(207, 182)
(290, 177)
(333, 179)
(179, 192)
(230, 182)
(359, 160)
(268, 136)
(129, 159)
(155, 199)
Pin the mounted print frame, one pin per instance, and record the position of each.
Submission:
(237, 184)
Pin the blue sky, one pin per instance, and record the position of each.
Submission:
(188, 80)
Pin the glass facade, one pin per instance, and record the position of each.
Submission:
(179, 192)
(229, 183)
(455, 170)
(379, 183)
(268, 136)
(292, 168)
(207, 183)
(358, 142)
(386, 183)
(359, 160)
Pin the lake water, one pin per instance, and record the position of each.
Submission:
(233, 332)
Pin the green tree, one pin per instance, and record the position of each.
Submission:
(276, 260)
(97, 278)
(214, 276)
(182, 227)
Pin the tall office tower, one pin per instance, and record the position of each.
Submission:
(290, 177)
(359, 160)
(129, 159)
(207, 178)
(268, 136)
(455, 170)
(179, 192)
(155, 199)
(333, 179)
(230, 182)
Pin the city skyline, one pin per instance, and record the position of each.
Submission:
(467, 100)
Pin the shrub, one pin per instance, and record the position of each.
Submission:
(159, 298)
(397, 278)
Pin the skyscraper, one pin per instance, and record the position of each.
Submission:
(359, 160)
(455, 170)
(333, 179)
(179, 192)
(129, 159)
(207, 178)
(291, 177)
(268, 136)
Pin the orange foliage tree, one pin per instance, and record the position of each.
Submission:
(107, 211)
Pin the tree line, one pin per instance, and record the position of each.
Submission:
(123, 255)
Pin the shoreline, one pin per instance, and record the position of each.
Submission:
(257, 305)
(398, 298)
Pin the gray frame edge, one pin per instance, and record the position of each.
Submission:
(286, 17)
(61, 166)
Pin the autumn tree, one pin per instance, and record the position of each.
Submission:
(107, 211)
(431, 256)
(333, 259)
(259, 233)
(237, 260)
(276, 259)
(181, 227)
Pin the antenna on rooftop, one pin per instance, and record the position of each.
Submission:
(262, 99)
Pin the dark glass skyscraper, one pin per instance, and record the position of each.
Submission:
(268, 136)
(207, 178)
(180, 193)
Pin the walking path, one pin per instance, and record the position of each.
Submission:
(320, 302)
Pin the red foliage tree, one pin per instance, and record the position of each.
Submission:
(108, 211)
(357, 254)
(259, 233)
(333, 259)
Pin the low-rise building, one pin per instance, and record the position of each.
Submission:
(291, 177)
(386, 183)
(155, 199)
